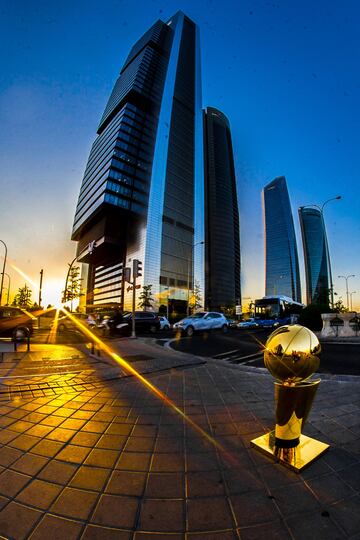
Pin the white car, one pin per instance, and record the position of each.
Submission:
(164, 323)
(203, 321)
(249, 323)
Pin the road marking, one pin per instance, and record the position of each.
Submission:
(240, 359)
(221, 355)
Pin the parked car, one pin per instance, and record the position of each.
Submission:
(249, 323)
(15, 322)
(64, 323)
(164, 323)
(202, 321)
(117, 323)
(232, 323)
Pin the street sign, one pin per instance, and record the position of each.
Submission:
(238, 309)
(131, 288)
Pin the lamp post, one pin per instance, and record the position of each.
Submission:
(167, 302)
(67, 279)
(3, 270)
(347, 287)
(188, 276)
(353, 292)
(321, 208)
(8, 291)
(91, 247)
(40, 286)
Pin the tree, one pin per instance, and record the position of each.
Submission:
(229, 310)
(146, 298)
(196, 298)
(250, 308)
(339, 307)
(73, 289)
(23, 297)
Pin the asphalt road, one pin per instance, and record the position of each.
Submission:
(237, 347)
(245, 347)
(335, 359)
(212, 344)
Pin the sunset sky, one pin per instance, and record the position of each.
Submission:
(286, 74)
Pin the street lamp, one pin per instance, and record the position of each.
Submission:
(167, 301)
(347, 287)
(188, 279)
(3, 271)
(353, 292)
(64, 299)
(321, 208)
(91, 247)
(8, 290)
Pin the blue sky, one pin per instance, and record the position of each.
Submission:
(285, 73)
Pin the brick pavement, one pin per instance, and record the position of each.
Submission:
(114, 462)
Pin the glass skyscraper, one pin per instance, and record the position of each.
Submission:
(281, 256)
(317, 264)
(142, 194)
(222, 237)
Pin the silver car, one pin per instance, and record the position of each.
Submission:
(202, 321)
(249, 323)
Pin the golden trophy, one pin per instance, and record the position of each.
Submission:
(290, 356)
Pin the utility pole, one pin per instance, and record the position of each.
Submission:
(347, 287)
(133, 330)
(137, 272)
(40, 286)
(351, 294)
(3, 270)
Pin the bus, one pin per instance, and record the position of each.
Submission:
(276, 310)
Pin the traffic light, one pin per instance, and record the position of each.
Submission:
(137, 268)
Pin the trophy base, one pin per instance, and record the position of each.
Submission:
(295, 458)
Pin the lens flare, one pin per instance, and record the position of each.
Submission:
(54, 327)
(25, 276)
(124, 364)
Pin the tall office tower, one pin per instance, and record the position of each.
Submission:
(142, 191)
(281, 256)
(222, 238)
(317, 263)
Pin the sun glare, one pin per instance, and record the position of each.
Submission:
(156, 391)
(52, 290)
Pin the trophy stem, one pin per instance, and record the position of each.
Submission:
(293, 404)
(286, 444)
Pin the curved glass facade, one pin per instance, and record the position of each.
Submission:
(281, 256)
(317, 264)
(222, 238)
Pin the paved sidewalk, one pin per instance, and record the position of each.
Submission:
(115, 462)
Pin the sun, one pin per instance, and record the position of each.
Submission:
(51, 291)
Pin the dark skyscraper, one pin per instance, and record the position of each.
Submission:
(281, 256)
(142, 191)
(317, 264)
(222, 242)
